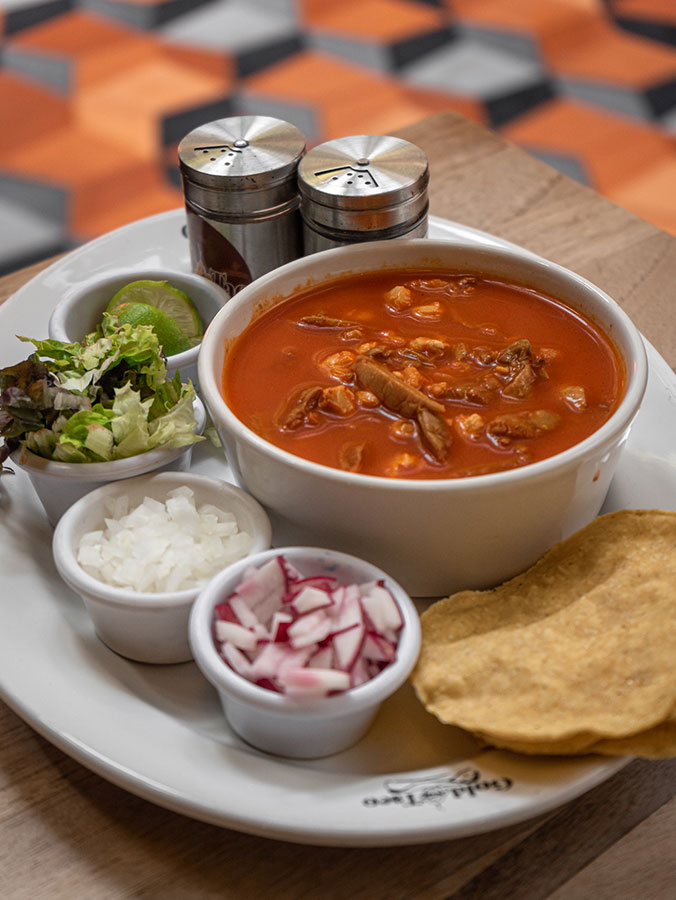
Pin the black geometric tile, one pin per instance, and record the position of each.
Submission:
(662, 97)
(628, 101)
(175, 126)
(502, 109)
(256, 57)
(662, 32)
(142, 15)
(18, 18)
(412, 48)
(379, 55)
(519, 43)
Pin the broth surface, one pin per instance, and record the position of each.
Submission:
(422, 375)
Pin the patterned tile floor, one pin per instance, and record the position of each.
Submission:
(96, 94)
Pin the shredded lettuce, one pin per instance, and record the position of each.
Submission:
(106, 397)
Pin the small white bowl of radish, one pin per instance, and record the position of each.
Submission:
(303, 645)
(139, 551)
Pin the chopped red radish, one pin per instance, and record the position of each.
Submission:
(325, 583)
(268, 684)
(348, 610)
(241, 637)
(359, 674)
(242, 612)
(378, 649)
(226, 613)
(310, 598)
(381, 608)
(322, 658)
(347, 646)
(263, 589)
(309, 629)
(306, 636)
(279, 627)
(239, 662)
(318, 682)
(258, 584)
(274, 657)
(294, 660)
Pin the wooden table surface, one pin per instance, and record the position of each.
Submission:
(67, 833)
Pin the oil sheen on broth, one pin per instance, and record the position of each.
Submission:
(412, 374)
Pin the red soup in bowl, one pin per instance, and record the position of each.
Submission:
(418, 375)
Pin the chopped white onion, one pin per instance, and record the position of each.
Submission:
(162, 547)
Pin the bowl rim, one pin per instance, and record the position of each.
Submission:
(635, 360)
(80, 580)
(365, 695)
(77, 292)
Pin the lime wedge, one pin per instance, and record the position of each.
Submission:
(168, 333)
(167, 298)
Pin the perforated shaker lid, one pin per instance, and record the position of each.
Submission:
(363, 182)
(240, 165)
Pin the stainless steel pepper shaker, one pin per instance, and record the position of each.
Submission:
(241, 197)
(362, 188)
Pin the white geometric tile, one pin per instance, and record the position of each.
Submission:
(473, 68)
(612, 97)
(25, 235)
(232, 25)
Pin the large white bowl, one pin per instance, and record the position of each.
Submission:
(433, 536)
(81, 309)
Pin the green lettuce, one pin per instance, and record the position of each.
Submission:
(106, 397)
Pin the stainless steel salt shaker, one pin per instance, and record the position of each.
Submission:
(362, 188)
(241, 197)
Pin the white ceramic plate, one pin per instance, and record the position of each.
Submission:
(158, 730)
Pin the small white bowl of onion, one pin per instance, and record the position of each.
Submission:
(139, 551)
(303, 645)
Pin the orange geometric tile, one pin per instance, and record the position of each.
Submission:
(651, 194)
(313, 79)
(214, 63)
(578, 40)
(97, 173)
(612, 148)
(73, 34)
(650, 10)
(129, 107)
(604, 53)
(130, 91)
(437, 101)
(348, 99)
(386, 110)
(71, 157)
(380, 20)
(93, 48)
(49, 111)
(595, 6)
(527, 16)
(150, 195)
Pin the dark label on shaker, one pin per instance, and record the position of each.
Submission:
(213, 255)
